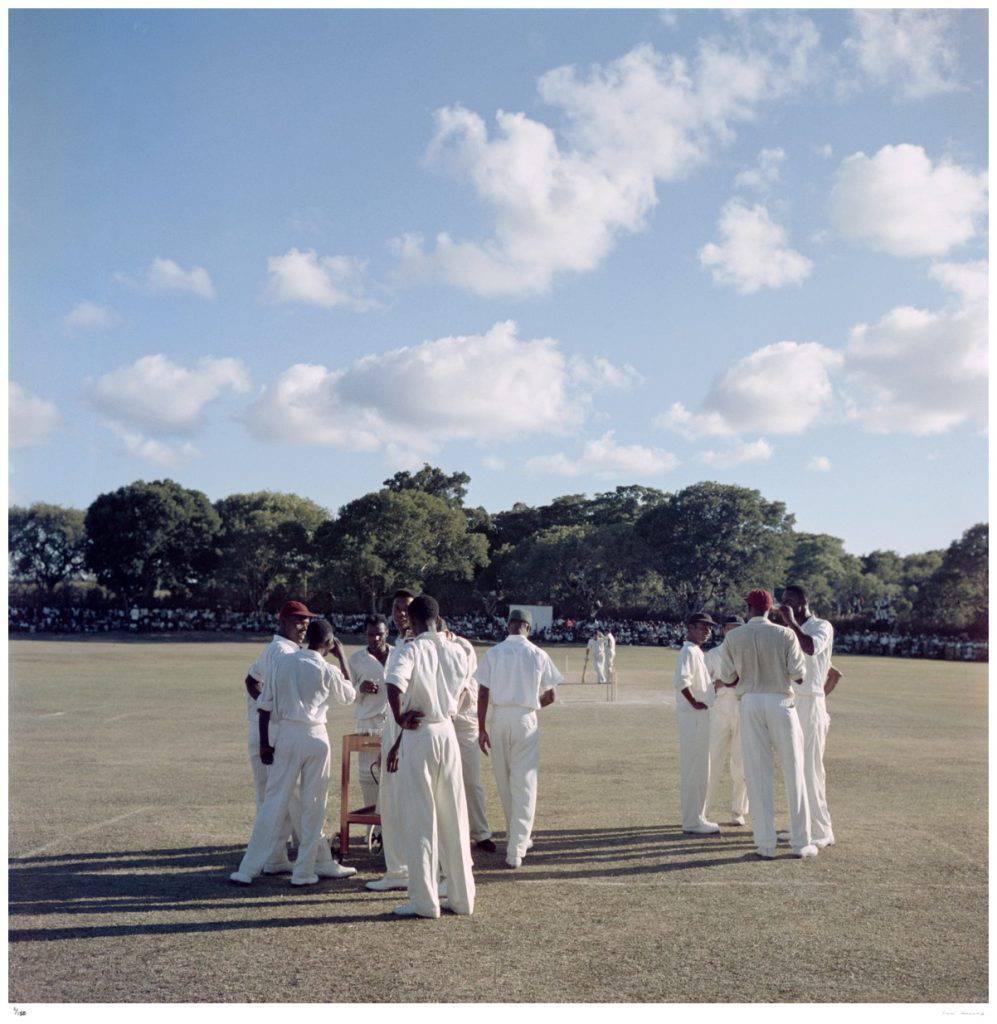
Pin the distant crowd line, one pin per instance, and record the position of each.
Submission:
(475, 626)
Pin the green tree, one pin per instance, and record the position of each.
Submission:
(450, 487)
(388, 539)
(710, 541)
(832, 578)
(46, 544)
(153, 536)
(956, 594)
(265, 541)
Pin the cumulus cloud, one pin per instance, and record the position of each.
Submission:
(743, 451)
(605, 458)
(31, 419)
(326, 281)
(922, 371)
(765, 172)
(169, 276)
(779, 389)
(559, 202)
(161, 397)
(819, 464)
(911, 51)
(149, 449)
(89, 316)
(901, 203)
(487, 387)
(753, 251)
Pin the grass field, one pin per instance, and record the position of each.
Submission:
(131, 801)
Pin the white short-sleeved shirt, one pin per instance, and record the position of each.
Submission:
(428, 671)
(301, 687)
(764, 657)
(822, 633)
(691, 672)
(261, 670)
(363, 666)
(713, 658)
(467, 697)
(517, 672)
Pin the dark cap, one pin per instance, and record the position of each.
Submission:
(700, 617)
(518, 615)
(298, 608)
(733, 620)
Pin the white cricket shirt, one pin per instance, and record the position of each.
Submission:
(766, 658)
(822, 633)
(301, 687)
(691, 672)
(516, 673)
(364, 666)
(428, 671)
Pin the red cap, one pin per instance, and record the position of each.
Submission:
(760, 599)
(297, 608)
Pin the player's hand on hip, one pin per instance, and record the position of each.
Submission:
(266, 754)
(484, 741)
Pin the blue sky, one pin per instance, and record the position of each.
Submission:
(561, 251)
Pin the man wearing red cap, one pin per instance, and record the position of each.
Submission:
(767, 661)
(291, 625)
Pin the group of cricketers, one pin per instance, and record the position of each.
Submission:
(427, 697)
(761, 691)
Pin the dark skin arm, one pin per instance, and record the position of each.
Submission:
(405, 720)
(484, 740)
(697, 704)
(266, 751)
(833, 675)
(789, 618)
(253, 687)
(547, 698)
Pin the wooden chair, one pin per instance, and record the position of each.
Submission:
(354, 743)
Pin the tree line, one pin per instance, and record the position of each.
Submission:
(632, 552)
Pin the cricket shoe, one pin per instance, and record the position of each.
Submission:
(387, 885)
(279, 867)
(409, 910)
(705, 828)
(766, 852)
(822, 843)
(806, 851)
(240, 878)
(335, 870)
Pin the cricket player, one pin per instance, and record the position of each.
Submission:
(518, 679)
(297, 695)
(694, 694)
(367, 674)
(465, 722)
(422, 679)
(597, 651)
(610, 655)
(396, 872)
(725, 734)
(292, 622)
(816, 639)
(768, 664)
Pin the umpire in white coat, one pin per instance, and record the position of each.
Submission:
(423, 678)
(518, 679)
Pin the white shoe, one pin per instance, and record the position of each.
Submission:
(738, 819)
(335, 870)
(242, 879)
(409, 910)
(822, 843)
(806, 851)
(387, 885)
(515, 862)
(305, 880)
(279, 867)
(442, 889)
(704, 828)
(766, 853)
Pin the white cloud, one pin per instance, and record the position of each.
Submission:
(826, 150)
(166, 275)
(765, 172)
(605, 458)
(159, 453)
(744, 451)
(819, 464)
(327, 281)
(753, 252)
(923, 371)
(911, 51)
(486, 387)
(493, 463)
(560, 203)
(779, 389)
(89, 316)
(159, 396)
(668, 18)
(31, 419)
(901, 203)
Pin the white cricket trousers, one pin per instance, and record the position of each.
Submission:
(725, 749)
(301, 752)
(815, 721)
(434, 816)
(694, 759)
(470, 766)
(390, 809)
(769, 720)
(600, 670)
(261, 772)
(373, 726)
(515, 740)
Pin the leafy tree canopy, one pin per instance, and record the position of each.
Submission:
(47, 544)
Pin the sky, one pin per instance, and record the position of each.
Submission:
(558, 250)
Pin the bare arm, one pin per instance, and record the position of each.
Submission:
(253, 687)
(547, 698)
(266, 751)
(833, 677)
(697, 704)
(406, 719)
(483, 739)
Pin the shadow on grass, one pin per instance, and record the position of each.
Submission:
(194, 880)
